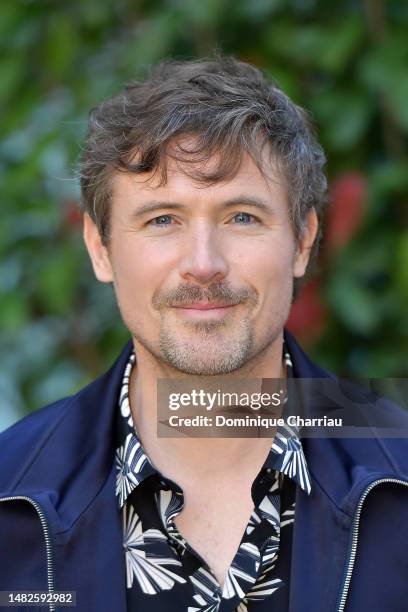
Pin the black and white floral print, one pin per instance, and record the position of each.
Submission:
(162, 571)
(207, 593)
(130, 462)
(147, 556)
(291, 460)
(242, 572)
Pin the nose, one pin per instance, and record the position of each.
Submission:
(203, 260)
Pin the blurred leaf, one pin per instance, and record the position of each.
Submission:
(327, 48)
(286, 81)
(341, 44)
(61, 45)
(358, 291)
(356, 307)
(148, 42)
(400, 267)
(376, 363)
(58, 279)
(382, 66)
(204, 13)
(398, 96)
(258, 9)
(390, 178)
(12, 70)
(11, 17)
(14, 311)
(344, 116)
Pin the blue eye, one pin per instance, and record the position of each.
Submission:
(161, 220)
(245, 217)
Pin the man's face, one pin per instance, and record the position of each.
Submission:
(203, 275)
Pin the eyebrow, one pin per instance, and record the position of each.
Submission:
(243, 200)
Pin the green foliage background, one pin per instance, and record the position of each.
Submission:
(344, 61)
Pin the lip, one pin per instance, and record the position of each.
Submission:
(205, 311)
(204, 306)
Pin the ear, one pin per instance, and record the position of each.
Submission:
(97, 251)
(305, 244)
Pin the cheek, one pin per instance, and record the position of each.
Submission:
(139, 268)
(268, 268)
(264, 261)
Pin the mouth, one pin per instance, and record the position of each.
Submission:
(201, 310)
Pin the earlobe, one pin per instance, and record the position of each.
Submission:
(98, 252)
(305, 244)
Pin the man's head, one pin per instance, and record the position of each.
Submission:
(202, 184)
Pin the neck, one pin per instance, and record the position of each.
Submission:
(184, 458)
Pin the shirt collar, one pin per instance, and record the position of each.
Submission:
(286, 454)
(134, 466)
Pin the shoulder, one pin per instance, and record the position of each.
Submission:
(21, 441)
(73, 422)
(384, 443)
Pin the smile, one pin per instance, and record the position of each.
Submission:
(205, 310)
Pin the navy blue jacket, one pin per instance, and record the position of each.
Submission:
(60, 527)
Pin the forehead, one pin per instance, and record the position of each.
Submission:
(181, 182)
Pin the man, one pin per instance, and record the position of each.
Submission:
(203, 187)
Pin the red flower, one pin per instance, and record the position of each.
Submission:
(348, 204)
(308, 314)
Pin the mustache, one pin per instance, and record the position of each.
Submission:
(216, 292)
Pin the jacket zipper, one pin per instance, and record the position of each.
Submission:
(350, 565)
(354, 541)
(46, 531)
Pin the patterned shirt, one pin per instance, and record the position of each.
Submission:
(163, 572)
